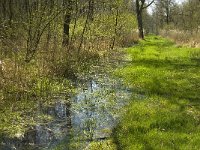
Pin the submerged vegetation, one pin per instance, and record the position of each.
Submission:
(166, 112)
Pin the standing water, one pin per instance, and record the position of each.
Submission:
(87, 116)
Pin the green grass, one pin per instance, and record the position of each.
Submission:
(169, 116)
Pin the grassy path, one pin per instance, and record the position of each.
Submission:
(168, 117)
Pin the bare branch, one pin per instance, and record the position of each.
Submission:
(148, 4)
(142, 4)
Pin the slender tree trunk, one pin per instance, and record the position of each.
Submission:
(75, 20)
(139, 20)
(66, 30)
(116, 24)
(67, 20)
(85, 27)
(10, 11)
(91, 10)
(167, 15)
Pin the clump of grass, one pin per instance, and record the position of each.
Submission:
(102, 145)
(168, 118)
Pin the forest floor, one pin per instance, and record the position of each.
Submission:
(166, 115)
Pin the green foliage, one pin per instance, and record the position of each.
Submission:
(102, 28)
(102, 145)
(105, 24)
(168, 117)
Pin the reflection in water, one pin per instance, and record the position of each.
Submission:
(89, 115)
(95, 108)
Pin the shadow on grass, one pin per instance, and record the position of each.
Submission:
(173, 64)
(171, 81)
(171, 119)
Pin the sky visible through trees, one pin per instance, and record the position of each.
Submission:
(152, 7)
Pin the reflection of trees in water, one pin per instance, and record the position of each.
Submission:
(62, 116)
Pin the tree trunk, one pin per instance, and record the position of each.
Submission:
(167, 15)
(139, 20)
(10, 12)
(116, 24)
(91, 10)
(67, 20)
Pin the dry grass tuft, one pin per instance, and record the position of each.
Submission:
(185, 38)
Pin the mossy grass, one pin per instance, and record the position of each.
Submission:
(168, 117)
